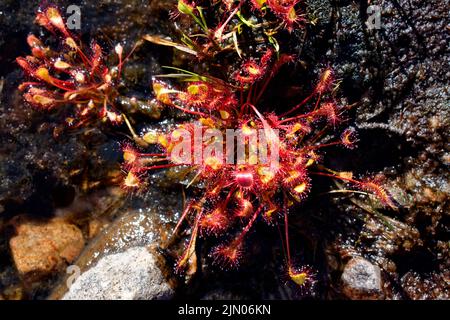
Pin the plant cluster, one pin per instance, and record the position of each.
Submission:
(235, 195)
(210, 28)
(72, 74)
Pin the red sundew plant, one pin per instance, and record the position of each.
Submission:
(73, 75)
(236, 195)
(221, 31)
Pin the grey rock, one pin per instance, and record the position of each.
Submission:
(361, 280)
(129, 275)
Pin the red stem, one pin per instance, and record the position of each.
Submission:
(324, 145)
(193, 236)
(183, 216)
(249, 224)
(306, 115)
(336, 177)
(201, 114)
(162, 166)
(284, 59)
(222, 27)
(301, 104)
(286, 232)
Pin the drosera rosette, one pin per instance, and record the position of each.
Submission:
(237, 195)
(71, 74)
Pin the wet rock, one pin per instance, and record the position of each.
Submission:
(12, 293)
(361, 280)
(132, 228)
(39, 169)
(132, 274)
(390, 236)
(431, 287)
(145, 224)
(41, 248)
(396, 75)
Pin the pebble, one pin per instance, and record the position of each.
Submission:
(361, 280)
(129, 275)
